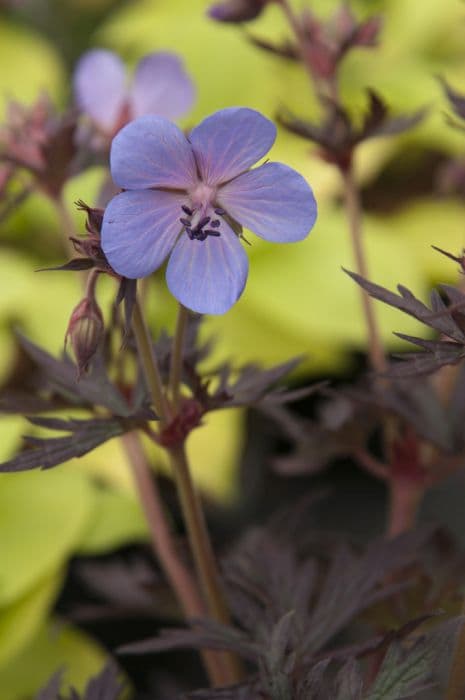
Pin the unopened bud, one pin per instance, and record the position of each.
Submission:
(85, 330)
(237, 10)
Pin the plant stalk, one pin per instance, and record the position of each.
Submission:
(177, 357)
(354, 217)
(199, 540)
(164, 547)
(149, 363)
(202, 551)
(404, 501)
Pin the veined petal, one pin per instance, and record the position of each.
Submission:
(140, 229)
(229, 142)
(100, 87)
(161, 86)
(152, 152)
(273, 201)
(208, 276)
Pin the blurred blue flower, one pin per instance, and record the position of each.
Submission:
(187, 197)
(160, 86)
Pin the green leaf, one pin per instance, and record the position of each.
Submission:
(42, 516)
(116, 522)
(20, 620)
(36, 65)
(55, 646)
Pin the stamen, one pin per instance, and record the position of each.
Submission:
(215, 223)
(186, 210)
(209, 232)
(185, 222)
(203, 222)
(219, 211)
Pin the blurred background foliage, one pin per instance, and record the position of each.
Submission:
(297, 300)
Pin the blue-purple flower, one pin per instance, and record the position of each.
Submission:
(102, 91)
(188, 197)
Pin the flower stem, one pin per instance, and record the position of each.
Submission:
(456, 685)
(199, 540)
(354, 216)
(177, 357)
(149, 362)
(198, 535)
(404, 500)
(202, 551)
(164, 547)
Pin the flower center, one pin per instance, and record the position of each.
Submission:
(202, 195)
(198, 222)
(196, 225)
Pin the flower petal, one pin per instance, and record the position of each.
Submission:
(100, 87)
(230, 141)
(140, 229)
(208, 276)
(273, 201)
(161, 86)
(152, 152)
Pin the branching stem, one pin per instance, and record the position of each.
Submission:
(199, 540)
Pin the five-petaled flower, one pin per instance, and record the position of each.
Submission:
(189, 197)
(160, 86)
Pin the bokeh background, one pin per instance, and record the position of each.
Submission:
(297, 301)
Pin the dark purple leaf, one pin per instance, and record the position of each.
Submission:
(438, 317)
(85, 435)
(74, 265)
(408, 669)
(456, 99)
(285, 49)
(105, 686)
(94, 388)
(204, 634)
(52, 690)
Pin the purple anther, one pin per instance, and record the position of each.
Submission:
(186, 210)
(215, 223)
(185, 222)
(219, 211)
(203, 222)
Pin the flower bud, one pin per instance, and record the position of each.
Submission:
(85, 330)
(237, 10)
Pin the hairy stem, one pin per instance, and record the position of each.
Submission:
(164, 547)
(199, 540)
(456, 684)
(177, 357)
(202, 550)
(354, 216)
(149, 362)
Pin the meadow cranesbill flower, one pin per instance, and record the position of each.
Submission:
(189, 197)
(160, 86)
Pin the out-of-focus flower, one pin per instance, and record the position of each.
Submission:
(237, 10)
(160, 86)
(186, 197)
(42, 142)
